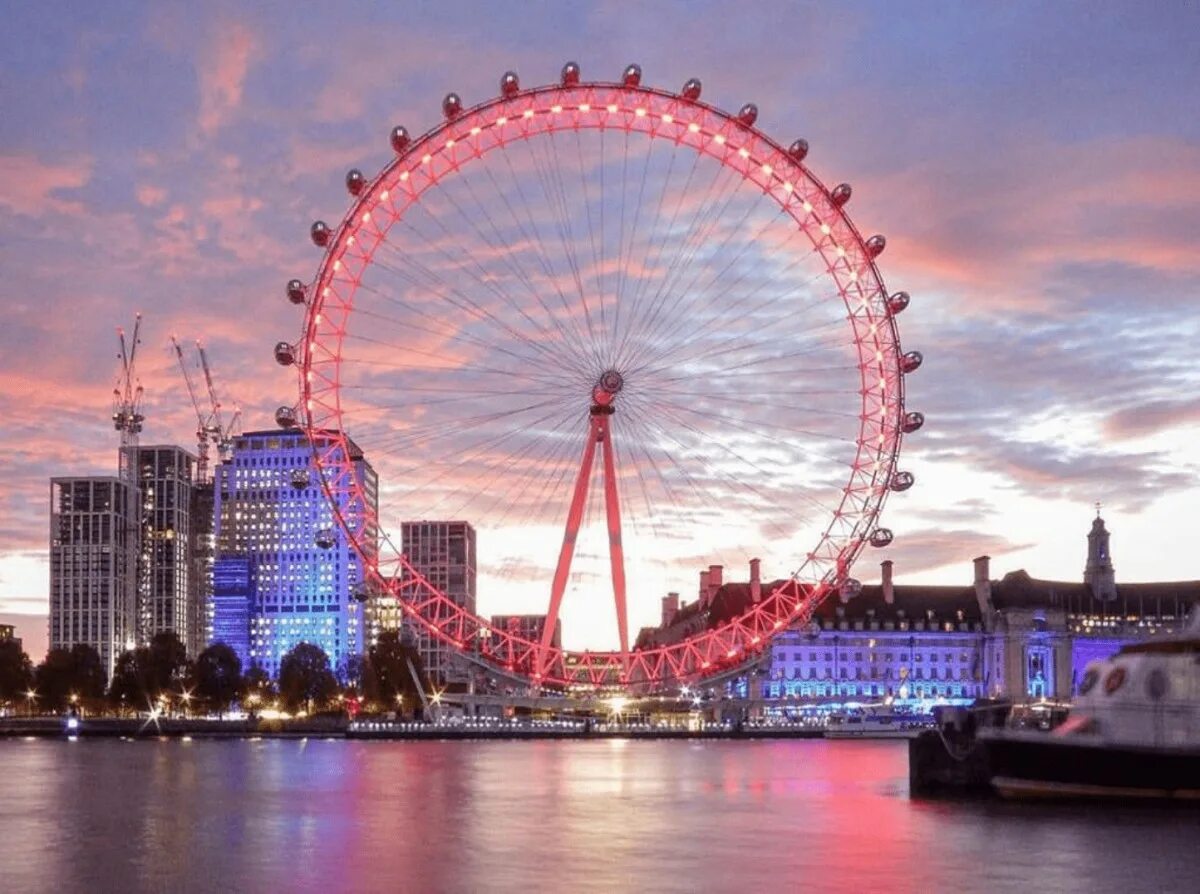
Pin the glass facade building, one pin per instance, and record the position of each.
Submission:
(272, 514)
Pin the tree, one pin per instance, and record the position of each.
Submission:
(16, 671)
(65, 673)
(217, 676)
(388, 674)
(259, 683)
(87, 671)
(305, 677)
(132, 684)
(168, 661)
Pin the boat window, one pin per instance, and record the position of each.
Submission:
(1089, 681)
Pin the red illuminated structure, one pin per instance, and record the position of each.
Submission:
(748, 160)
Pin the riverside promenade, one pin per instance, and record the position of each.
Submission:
(342, 728)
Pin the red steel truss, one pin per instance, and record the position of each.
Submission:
(467, 135)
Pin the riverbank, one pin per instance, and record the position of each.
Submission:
(341, 728)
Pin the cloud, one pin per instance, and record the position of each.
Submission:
(30, 186)
(222, 73)
(1152, 417)
(1018, 224)
(929, 549)
(150, 195)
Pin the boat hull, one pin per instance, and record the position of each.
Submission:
(1043, 766)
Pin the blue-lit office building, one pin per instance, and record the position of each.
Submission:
(232, 599)
(284, 574)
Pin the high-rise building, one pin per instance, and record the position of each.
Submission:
(8, 634)
(301, 577)
(203, 547)
(528, 627)
(170, 584)
(443, 552)
(232, 600)
(93, 565)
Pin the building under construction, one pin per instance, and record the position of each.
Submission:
(131, 554)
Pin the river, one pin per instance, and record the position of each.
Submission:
(324, 815)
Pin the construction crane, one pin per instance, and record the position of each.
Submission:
(203, 420)
(211, 427)
(127, 400)
(221, 432)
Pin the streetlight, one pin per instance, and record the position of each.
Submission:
(30, 696)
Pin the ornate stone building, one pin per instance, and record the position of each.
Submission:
(1018, 636)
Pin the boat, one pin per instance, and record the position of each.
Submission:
(874, 724)
(1133, 732)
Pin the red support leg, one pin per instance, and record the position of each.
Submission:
(565, 554)
(616, 552)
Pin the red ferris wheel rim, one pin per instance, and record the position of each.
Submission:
(735, 143)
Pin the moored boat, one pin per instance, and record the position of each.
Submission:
(1133, 731)
(874, 724)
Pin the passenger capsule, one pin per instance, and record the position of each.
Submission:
(881, 537)
(901, 481)
(325, 538)
(632, 75)
(300, 479)
(912, 422)
(911, 361)
(841, 194)
(691, 90)
(296, 292)
(570, 74)
(400, 139)
(748, 114)
(319, 232)
(285, 354)
(897, 302)
(798, 150)
(451, 106)
(285, 417)
(510, 85)
(875, 245)
(849, 589)
(355, 181)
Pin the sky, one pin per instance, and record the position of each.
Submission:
(1035, 167)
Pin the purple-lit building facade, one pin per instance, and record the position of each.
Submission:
(1017, 637)
(284, 573)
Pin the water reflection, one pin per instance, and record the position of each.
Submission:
(278, 815)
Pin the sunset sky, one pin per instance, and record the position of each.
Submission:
(1035, 167)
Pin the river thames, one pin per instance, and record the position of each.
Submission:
(326, 815)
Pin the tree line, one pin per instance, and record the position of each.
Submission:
(160, 674)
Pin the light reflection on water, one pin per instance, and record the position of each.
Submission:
(285, 815)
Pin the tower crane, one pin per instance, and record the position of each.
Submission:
(211, 427)
(221, 432)
(203, 421)
(127, 399)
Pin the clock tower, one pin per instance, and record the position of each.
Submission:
(1098, 573)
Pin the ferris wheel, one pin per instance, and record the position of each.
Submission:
(626, 335)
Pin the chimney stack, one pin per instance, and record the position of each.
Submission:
(704, 590)
(889, 594)
(755, 580)
(715, 576)
(670, 605)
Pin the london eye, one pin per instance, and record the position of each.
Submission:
(627, 335)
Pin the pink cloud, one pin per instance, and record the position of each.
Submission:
(150, 195)
(1152, 417)
(223, 75)
(29, 186)
(1014, 218)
